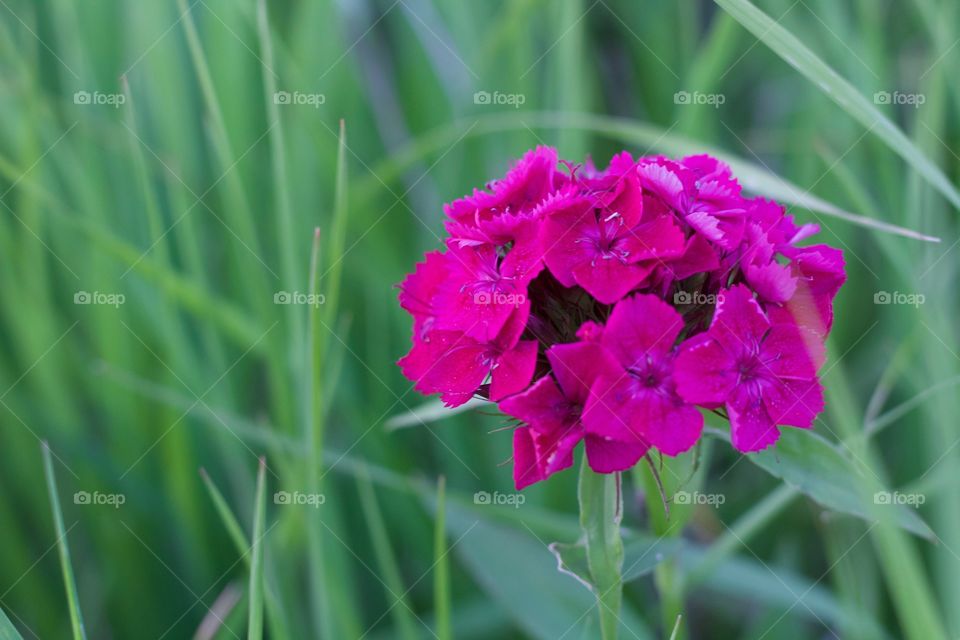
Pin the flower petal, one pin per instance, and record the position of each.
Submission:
(543, 406)
(514, 370)
(751, 429)
(739, 323)
(704, 371)
(447, 362)
(608, 456)
(640, 326)
(577, 365)
(793, 402)
(537, 456)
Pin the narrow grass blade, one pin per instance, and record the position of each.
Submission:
(889, 417)
(441, 565)
(910, 590)
(828, 474)
(754, 178)
(400, 609)
(255, 626)
(738, 534)
(338, 231)
(797, 55)
(217, 619)
(275, 615)
(76, 618)
(431, 411)
(676, 628)
(230, 522)
(7, 630)
(281, 192)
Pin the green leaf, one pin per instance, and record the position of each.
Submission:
(821, 470)
(517, 571)
(641, 555)
(797, 55)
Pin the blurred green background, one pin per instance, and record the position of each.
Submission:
(163, 168)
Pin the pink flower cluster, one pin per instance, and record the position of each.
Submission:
(609, 306)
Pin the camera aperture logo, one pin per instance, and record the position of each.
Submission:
(99, 297)
(499, 298)
(500, 99)
(896, 97)
(898, 297)
(697, 298)
(299, 98)
(897, 498)
(510, 499)
(298, 297)
(99, 99)
(697, 98)
(299, 499)
(695, 497)
(86, 498)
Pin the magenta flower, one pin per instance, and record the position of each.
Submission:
(608, 250)
(820, 274)
(529, 181)
(764, 372)
(480, 291)
(631, 298)
(635, 400)
(702, 191)
(551, 410)
(454, 364)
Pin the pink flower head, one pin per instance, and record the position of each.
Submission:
(764, 372)
(551, 410)
(610, 306)
(607, 249)
(635, 400)
(702, 192)
(455, 364)
(528, 182)
(480, 291)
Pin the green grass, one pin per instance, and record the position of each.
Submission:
(201, 197)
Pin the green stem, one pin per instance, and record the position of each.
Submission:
(601, 507)
(666, 523)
